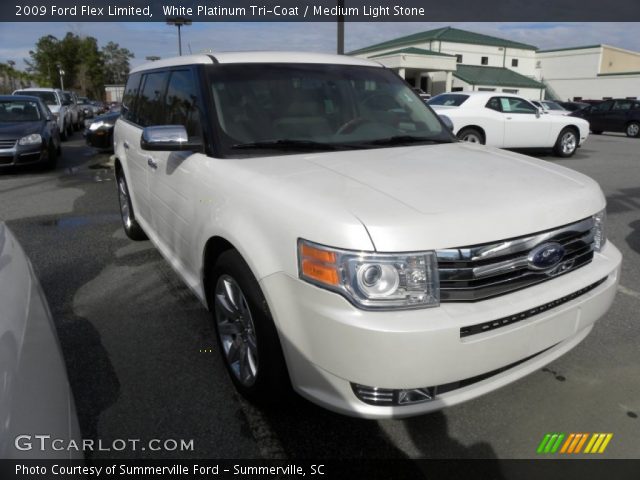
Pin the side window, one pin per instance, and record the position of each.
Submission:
(494, 104)
(484, 61)
(622, 105)
(129, 97)
(181, 102)
(516, 105)
(150, 103)
(603, 107)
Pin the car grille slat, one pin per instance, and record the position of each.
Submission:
(469, 274)
(4, 144)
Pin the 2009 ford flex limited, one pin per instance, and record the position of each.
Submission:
(346, 244)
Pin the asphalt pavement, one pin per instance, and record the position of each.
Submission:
(143, 364)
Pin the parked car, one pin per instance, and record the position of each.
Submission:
(59, 106)
(77, 116)
(422, 94)
(617, 115)
(574, 106)
(345, 242)
(551, 107)
(509, 121)
(99, 133)
(28, 132)
(35, 397)
(87, 109)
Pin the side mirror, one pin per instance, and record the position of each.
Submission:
(539, 112)
(447, 122)
(167, 138)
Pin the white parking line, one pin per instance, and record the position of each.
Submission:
(628, 291)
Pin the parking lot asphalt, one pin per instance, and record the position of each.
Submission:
(142, 360)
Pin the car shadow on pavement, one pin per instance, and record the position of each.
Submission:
(626, 200)
(633, 239)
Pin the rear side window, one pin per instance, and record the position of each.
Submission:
(448, 100)
(129, 97)
(151, 100)
(181, 103)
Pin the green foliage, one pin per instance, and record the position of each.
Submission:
(86, 67)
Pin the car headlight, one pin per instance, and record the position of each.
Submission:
(96, 125)
(32, 139)
(600, 232)
(372, 280)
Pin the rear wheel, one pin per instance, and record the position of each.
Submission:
(245, 332)
(567, 143)
(131, 227)
(52, 156)
(633, 129)
(471, 135)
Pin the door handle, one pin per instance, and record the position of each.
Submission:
(125, 144)
(152, 163)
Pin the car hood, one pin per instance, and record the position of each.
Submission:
(10, 131)
(441, 196)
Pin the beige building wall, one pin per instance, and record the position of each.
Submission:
(617, 60)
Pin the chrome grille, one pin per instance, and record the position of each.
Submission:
(4, 144)
(479, 272)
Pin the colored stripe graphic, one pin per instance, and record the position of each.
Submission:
(574, 443)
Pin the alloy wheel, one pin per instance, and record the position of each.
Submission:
(236, 330)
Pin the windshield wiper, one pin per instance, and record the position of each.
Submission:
(286, 143)
(404, 139)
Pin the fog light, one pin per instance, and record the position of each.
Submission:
(390, 397)
(416, 395)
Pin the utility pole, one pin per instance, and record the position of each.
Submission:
(179, 22)
(340, 27)
(61, 72)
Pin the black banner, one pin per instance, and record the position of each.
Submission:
(319, 10)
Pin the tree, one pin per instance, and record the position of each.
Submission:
(78, 57)
(116, 63)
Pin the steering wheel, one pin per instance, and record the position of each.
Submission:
(352, 125)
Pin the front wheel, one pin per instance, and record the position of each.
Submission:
(566, 144)
(245, 332)
(132, 228)
(471, 135)
(633, 129)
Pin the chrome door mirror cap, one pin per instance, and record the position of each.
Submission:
(167, 138)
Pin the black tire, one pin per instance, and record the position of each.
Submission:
(471, 135)
(596, 132)
(52, 157)
(269, 383)
(69, 130)
(131, 227)
(566, 143)
(632, 129)
(63, 133)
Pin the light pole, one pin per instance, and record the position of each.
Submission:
(61, 72)
(340, 19)
(179, 22)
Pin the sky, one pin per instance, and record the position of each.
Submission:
(158, 39)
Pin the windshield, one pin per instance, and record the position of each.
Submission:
(294, 107)
(18, 111)
(448, 100)
(552, 106)
(49, 98)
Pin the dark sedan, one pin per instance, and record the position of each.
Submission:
(99, 133)
(617, 115)
(28, 132)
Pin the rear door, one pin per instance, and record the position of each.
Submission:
(598, 116)
(147, 112)
(619, 115)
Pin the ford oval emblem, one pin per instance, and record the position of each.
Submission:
(545, 256)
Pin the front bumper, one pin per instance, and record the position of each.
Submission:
(23, 155)
(329, 344)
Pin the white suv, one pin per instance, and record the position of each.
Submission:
(345, 242)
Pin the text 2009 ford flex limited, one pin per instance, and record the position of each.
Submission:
(346, 244)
